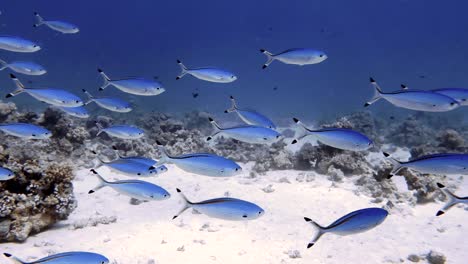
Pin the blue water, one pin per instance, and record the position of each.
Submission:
(420, 43)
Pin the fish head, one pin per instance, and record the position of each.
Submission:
(321, 56)
(161, 169)
(158, 195)
(33, 47)
(102, 260)
(454, 104)
(232, 78)
(40, 71)
(231, 170)
(253, 213)
(75, 30)
(43, 135)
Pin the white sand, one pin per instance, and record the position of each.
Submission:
(146, 231)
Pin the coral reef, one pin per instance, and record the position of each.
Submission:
(40, 195)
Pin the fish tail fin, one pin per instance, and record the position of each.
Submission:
(270, 58)
(321, 231)
(90, 97)
(297, 121)
(107, 80)
(3, 65)
(233, 105)
(397, 165)
(217, 127)
(39, 20)
(99, 127)
(183, 68)
(187, 204)
(452, 199)
(13, 258)
(19, 87)
(165, 157)
(102, 182)
(377, 93)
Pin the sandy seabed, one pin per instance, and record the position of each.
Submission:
(145, 233)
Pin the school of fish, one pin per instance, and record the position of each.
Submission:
(258, 129)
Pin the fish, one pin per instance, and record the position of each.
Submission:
(459, 94)
(121, 131)
(60, 26)
(442, 163)
(352, 223)
(78, 111)
(76, 257)
(110, 103)
(136, 86)
(18, 44)
(145, 161)
(223, 208)
(140, 190)
(249, 116)
(340, 138)
(452, 199)
(295, 56)
(201, 163)
(129, 168)
(250, 134)
(57, 97)
(209, 74)
(24, 67)
(6, 174)
(27, 131)
(418, 100)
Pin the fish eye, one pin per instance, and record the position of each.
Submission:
(260, 212)
(33, 135)
(452, 103)
(237, 169)
(165, 195)
(463, 99)
(34, 46)
(157, 88)
(265, 138)
(77, 101)
(277, 136)
(244, 216)
(434, 105)
(321, 55)
(138, 174)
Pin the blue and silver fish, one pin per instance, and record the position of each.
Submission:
(209, 74)
(341, 138)
(250, 134)
(24, 67)
(64, 258)
(137, 86)
(452, 199)
(224, 208)
(60, 26)
(17, 44)
(27, 131)
(110, 103)
(295, 56)
(129, 168)
(6, 174)
(459, 94)
(121, 131)
(140, 190)
(443, 164)
(352, 223)
(151, 163)
(201, 163)
(78, 111)
(418, 100)
(51, 96)
(250, 117)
